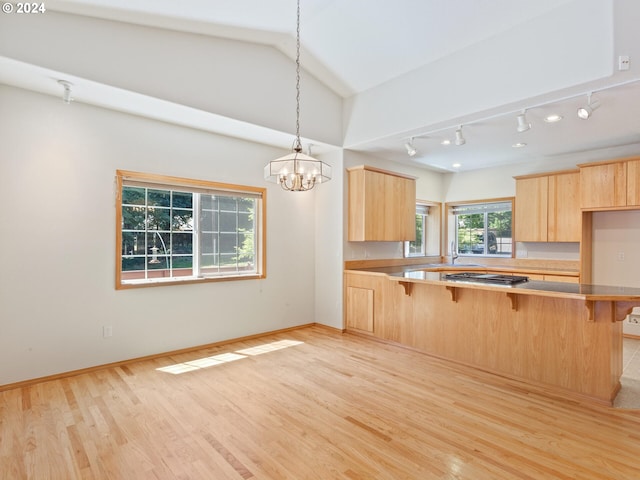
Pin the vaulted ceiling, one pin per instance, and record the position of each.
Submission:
(363, 48)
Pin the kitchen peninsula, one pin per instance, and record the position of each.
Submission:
(557, 338)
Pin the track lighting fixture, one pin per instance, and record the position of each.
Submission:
(585, 111)
(66, 94)
(523, 125)
(411, 150)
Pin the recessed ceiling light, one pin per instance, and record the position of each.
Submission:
(519, 145)
(446, 141)
(456, 165)
(554, 117)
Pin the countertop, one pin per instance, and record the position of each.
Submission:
(435, 274)
(532, 287)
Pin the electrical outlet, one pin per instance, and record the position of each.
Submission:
(107, 331)
(634, 318)
(623, 62)
(620, 256)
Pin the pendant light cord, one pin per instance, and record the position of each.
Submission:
(298, 144)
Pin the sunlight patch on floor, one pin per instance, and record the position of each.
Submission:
(222, 358)
(269, 347)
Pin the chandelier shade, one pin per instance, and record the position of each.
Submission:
(297, 172)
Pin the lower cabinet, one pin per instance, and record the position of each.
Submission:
(363, 298)
(381, 306)
(377, 305)
(359, 308)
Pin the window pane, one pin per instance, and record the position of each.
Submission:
(208, 201)
(246, 205)
(133, 195)
(133, 263)
(500, 241)
(470, 231)
(182, 220)
(182, 200)
(228, 243)
(208, 261)
(246, 252)
(158, 244)
(228, 203)
(133, 218)
(181, 243)
(181, 261)
(133, 243)
(208, 243)
(245, 221)
(206, 221)
(228, 221)
(160, 198)
(158, 218)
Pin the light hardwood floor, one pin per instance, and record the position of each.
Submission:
(307, 404)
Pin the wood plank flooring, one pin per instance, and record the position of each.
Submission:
(307, 404)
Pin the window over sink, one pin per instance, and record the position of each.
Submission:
(482, 228)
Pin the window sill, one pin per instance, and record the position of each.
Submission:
(157, 282)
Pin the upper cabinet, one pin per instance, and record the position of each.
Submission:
(382, 205)
(610, 185)
(547, 207)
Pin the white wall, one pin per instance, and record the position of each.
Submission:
(615, 255)
(328, 248)
(57, 166)
(616, 252)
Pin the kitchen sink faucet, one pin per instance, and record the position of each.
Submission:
(454, 254)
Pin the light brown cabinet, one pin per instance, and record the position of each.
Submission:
(376, 305)
(547, 207)
(363, 299)
(382, 205)
(610, 185)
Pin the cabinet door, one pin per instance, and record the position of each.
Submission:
(564, 215)
(399, 209)
(382, 206)
(633, 182)
(603, 186)
(359, 308)
(531, 209)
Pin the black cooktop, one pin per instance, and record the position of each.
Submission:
(486, 278)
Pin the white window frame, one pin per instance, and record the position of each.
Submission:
(484, 207)
(197, 187)
(422, 210)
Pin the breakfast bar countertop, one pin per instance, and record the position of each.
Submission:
(531, 287)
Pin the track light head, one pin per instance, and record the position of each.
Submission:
(459, 138)
(585, 111)
(411, 150)
(66, 94)
(523, 125)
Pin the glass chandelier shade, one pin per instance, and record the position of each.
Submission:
(297, 172)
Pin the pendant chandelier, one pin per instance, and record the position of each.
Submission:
(296, 171)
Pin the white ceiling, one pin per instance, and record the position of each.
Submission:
(354, 45)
